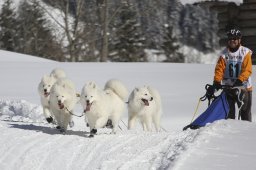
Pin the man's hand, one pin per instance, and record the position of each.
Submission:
(211, 89)
(238, 83)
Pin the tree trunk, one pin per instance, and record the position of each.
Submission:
(104, 52)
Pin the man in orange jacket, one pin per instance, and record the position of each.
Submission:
(234, 68)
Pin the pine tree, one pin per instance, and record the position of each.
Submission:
(8, 27)
(199, 28)
(35, 35)
(129, 42)
(171, 46)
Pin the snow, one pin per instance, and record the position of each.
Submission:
(16, 2)
(238, 2)
(17, 57)
(28, 142)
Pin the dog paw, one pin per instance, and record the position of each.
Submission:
(49, 119)
(93, 131)
(109, 124)
(63, 131)
(91, 136)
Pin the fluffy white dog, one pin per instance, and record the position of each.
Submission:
(145, 104)
(44, 88)
(63, 99)
(103, 107)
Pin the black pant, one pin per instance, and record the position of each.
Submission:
(245, 111)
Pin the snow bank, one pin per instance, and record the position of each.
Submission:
(193, 1)
(21, 111)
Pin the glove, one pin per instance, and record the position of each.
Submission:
(49, 119)
(211, 89)
(238, 83)
(217, 85)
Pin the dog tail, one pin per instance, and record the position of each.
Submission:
(118, 88)
(58, 73)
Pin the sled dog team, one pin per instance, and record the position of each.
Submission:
(102, 107)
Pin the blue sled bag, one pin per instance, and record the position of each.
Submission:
(217, 110)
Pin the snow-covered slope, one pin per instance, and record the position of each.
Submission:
(7, 56)
(193, 1)
(28, 142)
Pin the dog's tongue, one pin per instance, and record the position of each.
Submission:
(88, 107)
(145, 102)
(46, 94)
(61, 106)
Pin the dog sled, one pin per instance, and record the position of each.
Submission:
(218, 107)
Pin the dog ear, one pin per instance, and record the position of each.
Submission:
(146, 86)
(94, 86)
(91, 84)
(136, 89)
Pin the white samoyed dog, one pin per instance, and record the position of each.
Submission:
(103, 107)
(44, 88)
(63, 99)
(145, 104)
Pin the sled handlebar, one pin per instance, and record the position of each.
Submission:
(226, 88)
(223, 87)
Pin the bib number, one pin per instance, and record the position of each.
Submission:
(234, 70)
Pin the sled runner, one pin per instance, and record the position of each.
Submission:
(217, 109)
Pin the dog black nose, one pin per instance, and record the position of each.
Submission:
(59, 102)
(151, 98)
(45, 90)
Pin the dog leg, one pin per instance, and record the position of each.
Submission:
(66, 119)
(114, 126)
(147, 124)
(101, 122)
(57, 118)
(47, 112)
(71, 123)
(156, 121)
(131, 122)
(144, 125)
(86, 121)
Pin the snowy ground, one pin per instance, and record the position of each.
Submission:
(28, 142)
(193, 1)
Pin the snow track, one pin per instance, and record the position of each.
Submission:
(45, 147)
(31, 143)
(28, 142)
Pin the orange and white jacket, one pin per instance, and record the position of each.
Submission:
(233, 66)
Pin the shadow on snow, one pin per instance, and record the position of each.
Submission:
(47, 130)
